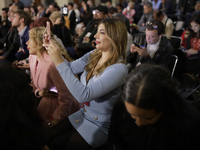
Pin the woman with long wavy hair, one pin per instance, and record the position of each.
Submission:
(99, 86)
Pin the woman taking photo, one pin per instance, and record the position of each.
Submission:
(103, 71)
(152, 115)
(193, 47)
(57, 102)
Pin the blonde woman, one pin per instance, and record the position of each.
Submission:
(57, 102)
(99, 86)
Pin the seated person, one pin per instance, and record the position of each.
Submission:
(151, 115)
(158, 49)
(193, 47)
(168, 23)
(11, 42)
(85, 41)
(147, 16)
(21, 21)
(57, 102)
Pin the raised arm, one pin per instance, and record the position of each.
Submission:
(109, 80)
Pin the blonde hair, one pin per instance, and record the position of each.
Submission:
(132, 4)
(36, 34)
(55, 15)
(116, 32)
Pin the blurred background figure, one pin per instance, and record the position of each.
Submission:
(5, 25)
(120, 8)
(21, 126)
(147, 16)
(168, 23)
(129, 12)
(193, 47)
(156, 4)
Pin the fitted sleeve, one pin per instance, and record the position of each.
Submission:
(78, 65)
(66, 102)
(109, 80)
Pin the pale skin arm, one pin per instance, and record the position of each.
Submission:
(141, 51)
(191, 51)
(54, 52)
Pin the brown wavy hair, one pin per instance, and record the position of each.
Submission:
(37, 35)
(116, 32)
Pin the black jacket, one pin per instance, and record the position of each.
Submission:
(63, 33)
(162, 56)
(11, 44)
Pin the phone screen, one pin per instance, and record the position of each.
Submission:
(64, 10)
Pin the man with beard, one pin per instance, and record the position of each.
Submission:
(22, 21)
(85, 41)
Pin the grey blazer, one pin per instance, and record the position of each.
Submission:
(141, 21)
(93, 121)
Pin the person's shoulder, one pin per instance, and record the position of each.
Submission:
(118, 66)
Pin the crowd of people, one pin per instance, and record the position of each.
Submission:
(98, 77)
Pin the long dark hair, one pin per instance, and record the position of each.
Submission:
(196, 19)
(151, 87)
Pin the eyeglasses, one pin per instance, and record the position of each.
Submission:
(151, 24)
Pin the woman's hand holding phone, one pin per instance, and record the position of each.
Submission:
(47, 35)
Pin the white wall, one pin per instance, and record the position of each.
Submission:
(4, 3)
(62, 2)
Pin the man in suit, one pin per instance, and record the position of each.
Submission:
(147, 16)
(11, 43)
(158, 49)
(41, 11)
(22, 21)
(72, 17)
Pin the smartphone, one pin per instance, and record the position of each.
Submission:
(53, 90)
(48, 29)
(183, 48)
(64, 11)
(141, 46)
(47, 33)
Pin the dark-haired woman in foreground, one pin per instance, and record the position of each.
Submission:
(152, 115)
